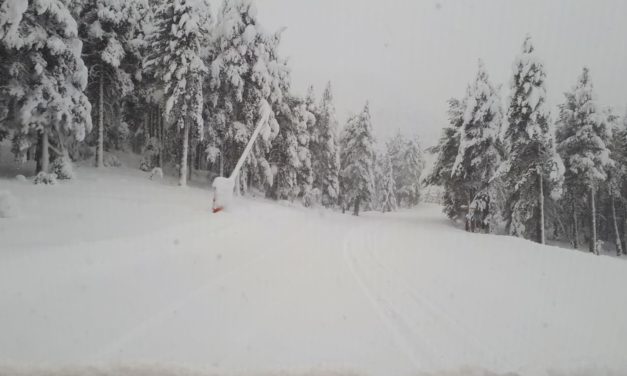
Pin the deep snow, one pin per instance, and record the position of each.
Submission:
(114, 268)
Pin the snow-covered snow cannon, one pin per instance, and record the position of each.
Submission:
(223, 187)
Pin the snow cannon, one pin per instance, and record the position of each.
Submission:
(224, 187)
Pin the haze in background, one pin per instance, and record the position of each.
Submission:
(407, 57)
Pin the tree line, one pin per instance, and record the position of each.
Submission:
(536, 176)
(182, 86)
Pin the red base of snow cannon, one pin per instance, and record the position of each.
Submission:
(222, 193)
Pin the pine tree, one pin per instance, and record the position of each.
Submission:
(109, 30)
(45, 76)
(290, 151)
(617, 174)
(387, 193)
(407, 163)
(357, 157)
(180, 31)
(583, 139)
(245, 70)
(454, 199)
(478, 157)
(533, 169)
(411, 173)
(324, 150)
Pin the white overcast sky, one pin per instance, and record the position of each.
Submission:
(407, 57)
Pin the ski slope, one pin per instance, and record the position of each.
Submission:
(114, 269)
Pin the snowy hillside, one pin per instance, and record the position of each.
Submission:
(115, 269)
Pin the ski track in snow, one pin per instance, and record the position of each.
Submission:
(420, 303)
(418, 360)
(402, 309)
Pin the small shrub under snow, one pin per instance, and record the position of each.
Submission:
(156, 172)
(145, 164)
(62, 167)
(112, 161)
(8, 205)
(46, 178)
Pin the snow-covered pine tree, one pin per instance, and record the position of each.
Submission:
(620, 146)
(180, 30)
(290, 151)
(245, 70)
(45, 75)
(407, 162)
(533, 170)
(357, 157)
(454, 200)
(617, 173)
(109, 30)
(387, 192)
(583, 140)
(394, 148)
(324, 150)
(410, 175)
(478, 157)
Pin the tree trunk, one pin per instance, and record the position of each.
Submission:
(100, 151)
(183, 167)
(619, 246)
(40, 141)
(541, 235)
(160, 134)
(45, 152)
(593, 224)
(575, 228)
(468, 221)
(190, 159)
(356, 208)
(222, 162)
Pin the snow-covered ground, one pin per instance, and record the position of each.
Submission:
(115, 269)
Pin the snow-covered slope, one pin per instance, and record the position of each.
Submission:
(114, 268)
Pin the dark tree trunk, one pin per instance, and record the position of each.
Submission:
(469, 225)
(100, 147)
(593, 223)
(45, 152)
(39, 148)
(190, 158)
(356, 208)
(160, 134)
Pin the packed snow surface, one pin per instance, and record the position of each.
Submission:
(116, 269)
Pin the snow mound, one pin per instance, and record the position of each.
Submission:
(9, 207)
(156, 172)
(112, 161)
(21, 178)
